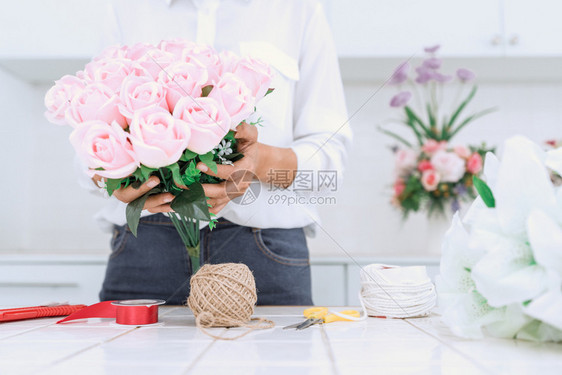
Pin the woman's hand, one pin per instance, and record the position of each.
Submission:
(155, 203)
(238, 176)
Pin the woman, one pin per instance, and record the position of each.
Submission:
(304, 134)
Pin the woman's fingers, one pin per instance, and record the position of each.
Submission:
(129, 194)
(159, 203)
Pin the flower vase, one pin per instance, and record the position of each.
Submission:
(437, 226)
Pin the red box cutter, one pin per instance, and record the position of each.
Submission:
(21, 313)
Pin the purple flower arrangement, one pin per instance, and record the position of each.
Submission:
(431, 173)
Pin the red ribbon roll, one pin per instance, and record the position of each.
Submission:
(128, 312)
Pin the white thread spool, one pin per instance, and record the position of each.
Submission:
(396, 292)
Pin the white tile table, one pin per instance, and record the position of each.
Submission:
(176, 346)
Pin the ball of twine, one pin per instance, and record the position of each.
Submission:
(224, 295)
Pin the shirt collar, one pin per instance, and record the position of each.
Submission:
(169, 2)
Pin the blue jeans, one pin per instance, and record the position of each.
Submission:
(156, 264)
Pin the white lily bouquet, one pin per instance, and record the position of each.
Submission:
(501, 268)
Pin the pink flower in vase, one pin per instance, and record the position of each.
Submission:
(399, 187)
(449, 165)
(474, 163)
(462, 151)
(405, 161)
(431, 146)
(425, 165)
(430, 180)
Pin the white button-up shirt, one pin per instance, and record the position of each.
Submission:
(306, 112)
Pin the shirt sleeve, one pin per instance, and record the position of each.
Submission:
(322, 134)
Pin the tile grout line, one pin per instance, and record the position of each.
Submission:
(26, 331)
(459, 352)
(196, 360)
(59, 361)
(329, 350)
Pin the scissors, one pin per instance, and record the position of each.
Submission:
(318, 315)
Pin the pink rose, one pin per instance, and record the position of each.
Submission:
(399, 187)
(405, 161)
(425, 165)
(462, 151)
(236, 98)
(474, 163)
(431, 146)
(176, 47)
(449, 165)
(112, 52)
(58, 98)
(100, 145)
(110, 72)
(155, 61)
(430, 180)
(158, 138)
(208, 120)
(228, 61)
(141, 92)
(183, 79)
(256, 75)
(95, 102)
(138, 50)
(207, 57)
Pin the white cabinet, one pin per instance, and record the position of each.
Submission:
(533, 28)
(386, 28)
(481, 28)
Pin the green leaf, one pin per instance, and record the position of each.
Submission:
(146, 171)
(470, 119)
(269, 91)
(191, 174)
(208, 160)
(112, 184)
(485, 192)
(462, 106)
(395, 136)
(432, 121)
(138, 174)
(205, 91)
(414, 119)
(176, 175)
(134, 210)
(192, 203)
(188, 155)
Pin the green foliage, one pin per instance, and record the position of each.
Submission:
(111, 185)
(192, 203)
(208, 160)
(134, 210)
(484, 191)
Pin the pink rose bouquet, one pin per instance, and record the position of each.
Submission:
(144, 110)
(429, 172)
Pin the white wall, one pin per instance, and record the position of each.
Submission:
(46, 211)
